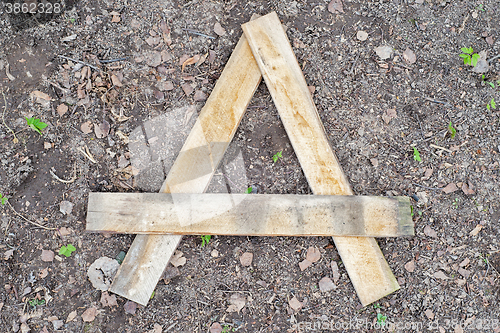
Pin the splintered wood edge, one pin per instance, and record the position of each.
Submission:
(149, 255)
(370, 274)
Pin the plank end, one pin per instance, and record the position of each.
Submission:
(405, 220)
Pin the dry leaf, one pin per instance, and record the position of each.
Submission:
(199, 96)
(62, 109)
(177, 259)
(476, 230)
(440, 275)
(130, 307)
(193, 60)
(409, 56)
(295, 304)
(187, 88)
(38, 94)
(410, 266)
(8, 254)
(304, 264)
(63, 231)
(219, 30)
(80, 93)
(203, 57)
(335, 270)
(388, 115)
(313, 254)
(451, 187)
(47, 255)
(246, 259)
(47, 145)
(464, 262)
(101, 272)
(86, 127)
(90, 314)
(72, 315)
(326, 284)
(108, 300)
(336, 6)
(165, 85)
(428, 231)
(43, 273)
(237, 302)
(467, 189)
(102, 130)
(384, 52)
(216, 328)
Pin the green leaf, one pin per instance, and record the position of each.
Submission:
(467, 60)
(465, 56)
(475, 58)
(488, 107)
(249, 190)
(493, 104)
(416, 155)
(63, 250)
(468, 50)
(452, 130)
(491, 84)
(71, 248)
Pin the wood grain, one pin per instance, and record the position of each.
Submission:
(369, 272)
(193, 169)
(249, 215)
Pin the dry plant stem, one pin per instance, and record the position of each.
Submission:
(34, 223)
(3, 117)
(80, 62)
(72, 179)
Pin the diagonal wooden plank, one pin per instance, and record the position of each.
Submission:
(192, 171)
(367, 268)
(249, 214)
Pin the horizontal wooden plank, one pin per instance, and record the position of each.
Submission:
(192, 171)
(370, 274)
(249, 215)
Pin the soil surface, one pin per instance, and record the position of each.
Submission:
(107, 77)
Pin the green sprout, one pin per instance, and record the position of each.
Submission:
(205, 239)
(416, 155)
(491, 104)
(469, 57)
(377, 306)
(249, 190)
(452, 130)
(492, 84)
(381, 319)
(277, 156)
(67, 250)
(3, 199)
(36, 124)
(480, 7)
(152, 295)
(411, 210)
(34, 302)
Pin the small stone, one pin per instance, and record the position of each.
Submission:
(200, 96)
(374, 162)
(216, 328)
(384, 52)
(429, 314)
(490, 40)
(326, 284)
(219, 30)
(246, 259)
(410, 266)
(65, 207)
(62, 109)
(362, 35)
(214, 253)
(47, 255)
(170, 272)
(304, 264)
(47, 145)
(313, 254)
(295, 304)
(159, 95)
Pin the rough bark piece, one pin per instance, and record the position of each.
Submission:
(249, 215)
(369, 272)
(193, 169)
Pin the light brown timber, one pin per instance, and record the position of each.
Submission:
(367, 268)
(249, 214)
(192, 171)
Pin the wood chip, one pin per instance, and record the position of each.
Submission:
(72, 315)
(295, 304)
(304, 264)
(410, 266)
(326, 284)
(246, 259)
(464, 262)
(200, 96)
(116, 81)
(237, 302)
(465, 273)
(335, 271)
(429, 314)
(389, 115)
(409, 56)
(336, 6)
(440, 275)
(476, 230)
(41, 95)
(89, 314)
(428, 231)
(467, 189)
(43, 273)
(190, 61)
(219, 30)
(187, 88)
(86, 127)
(108, 300)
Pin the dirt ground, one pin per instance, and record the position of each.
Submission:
(116, 126)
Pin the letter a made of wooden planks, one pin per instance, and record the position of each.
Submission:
(192, 171)
(367, 268)
(249, 214)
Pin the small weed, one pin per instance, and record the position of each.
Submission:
(416, 155)
(227, 329)
(411, 210)
(381, 319)
(377, 306)
(67, 250)
(452, 130)
(205, 239)
(72, 20)
(3, 199)
(249, 190)
(36, 124)
(454, 204)
(35, 302)
(277, 156)
(480, 7)
(492, 84)
(469, 57)
(491, 104)
(152, 295)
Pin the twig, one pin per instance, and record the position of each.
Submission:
(112, 60)
(56, 85)
(80, 62)
(87, 154)
(73, 178)
(194, 32)
(495, 57)
(3, 118)
(429, 188)
(435, 100)
(34, 223)
(439, 147)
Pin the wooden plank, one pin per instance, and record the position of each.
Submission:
(369, 272)
(249, 215)
(192, 171)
